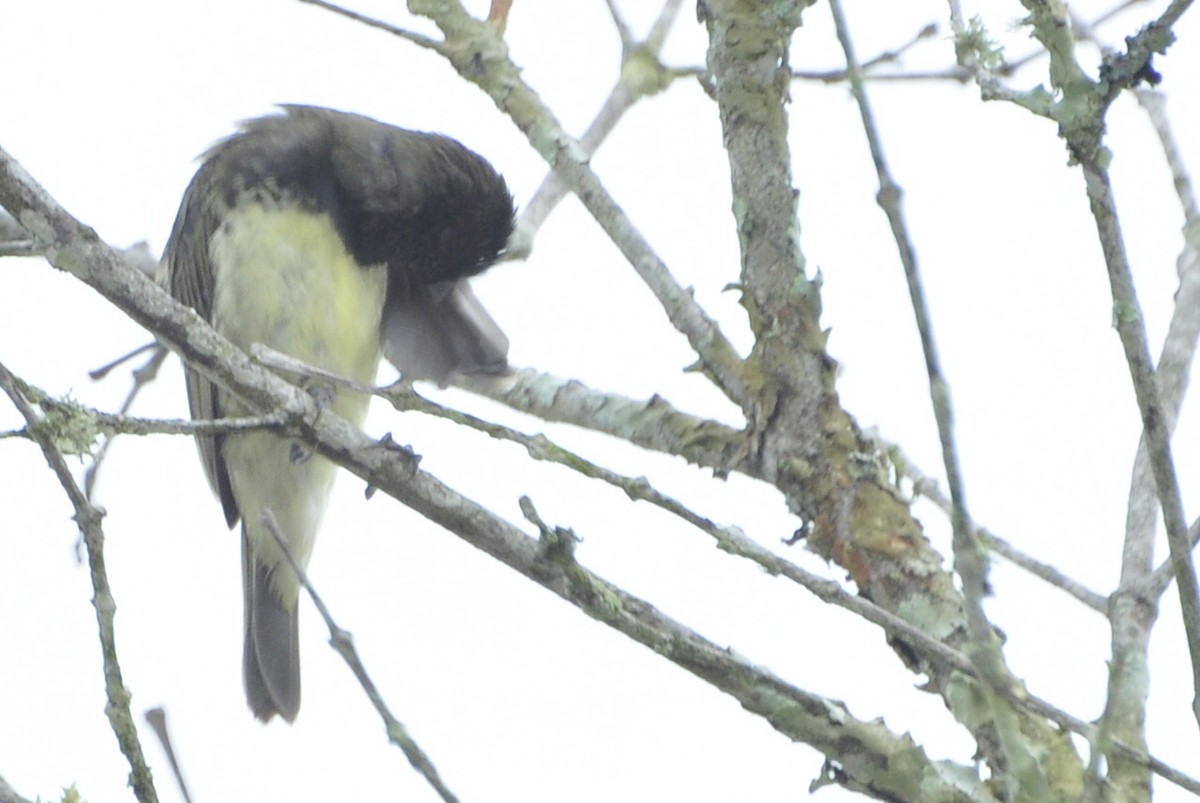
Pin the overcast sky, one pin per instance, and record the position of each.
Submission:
(516, 695)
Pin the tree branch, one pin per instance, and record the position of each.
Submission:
(829, 471)
(641, 75)
(89, 517)
(1018, 761)
(343, 643)
(409, 36)
(1080, 109)
(1154, 418)
(652, 423)
(477, 52)
(926, 486)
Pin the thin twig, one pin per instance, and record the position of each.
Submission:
(119, 424)
(958, 74)
(927, 486)
(96, 374)
(970, 559)
(1155, 105)
(142, 377)
(1164, 573)
(157, 719)
(837, 75)
(1155, 418)
(621, 24)
(498, 13)
(88, 517)
(632, 86)
(1112, 13)
(371, 22)
(343, 642)
(1170, 15)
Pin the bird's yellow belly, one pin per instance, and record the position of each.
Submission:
(283, 279)
(286, 281)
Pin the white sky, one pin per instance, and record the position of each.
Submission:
(515, 695)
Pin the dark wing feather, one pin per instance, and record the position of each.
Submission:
(190, 281)
(431, 335)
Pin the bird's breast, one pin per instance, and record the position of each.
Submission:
(284, 279)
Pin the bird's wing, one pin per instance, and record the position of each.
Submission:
(431, 335)
(190, 281)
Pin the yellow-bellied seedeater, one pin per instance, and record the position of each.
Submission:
(333, 238)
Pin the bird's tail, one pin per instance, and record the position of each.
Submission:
(271, 654)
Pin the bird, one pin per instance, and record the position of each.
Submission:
(336, 239)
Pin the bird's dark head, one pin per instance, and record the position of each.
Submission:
(425, 205)
(435, 210)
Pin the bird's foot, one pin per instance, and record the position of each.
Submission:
(322, 393)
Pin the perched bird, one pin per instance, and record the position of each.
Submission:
(333, 238)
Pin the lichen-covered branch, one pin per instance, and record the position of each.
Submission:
(1079, 105)
(1020, 740)
(821, 458)
(89, 518)
(652, 423)
(641, 75)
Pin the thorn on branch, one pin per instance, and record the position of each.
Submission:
(396, 451)
(96, 374)
(556, 545)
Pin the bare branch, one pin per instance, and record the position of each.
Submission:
(410, 36)
(343, 643)
(1130, 327)
(97, 422)
(1135, 602)
(641, 75)
(927, 486)
(1080, 112)
(142, 377)
(1019, 763)
(1173, 370)
(89, 518)
(652, 423)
